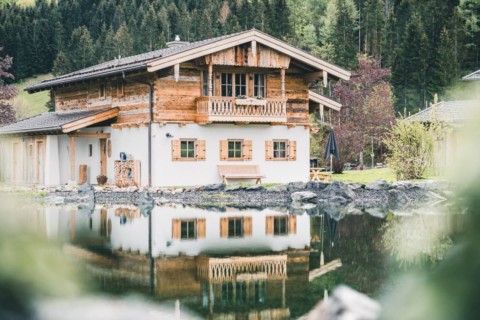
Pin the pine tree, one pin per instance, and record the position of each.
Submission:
(81, 51)
(61, 64)
(123, 41)
(342, 36)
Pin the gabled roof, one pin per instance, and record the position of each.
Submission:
(163, 58)
(474, 76)
(448, 111)
(59, 122)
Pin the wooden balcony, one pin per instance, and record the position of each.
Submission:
(228, 109)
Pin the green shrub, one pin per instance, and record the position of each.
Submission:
(411, 148)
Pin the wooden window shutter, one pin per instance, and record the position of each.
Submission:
(223, 227)
(269, 225)
(292, 224)
(176, 228)
(269, 150)
(201, 228)
(247, 226)
(292, 150)
(247, 149)
(176, 150)
(223, 149)
(201, 150)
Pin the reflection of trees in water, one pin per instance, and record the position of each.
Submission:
(417, 240)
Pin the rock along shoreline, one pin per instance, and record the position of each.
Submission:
(336, 198)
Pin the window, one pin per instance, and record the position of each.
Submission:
(205, 84)
(240, 85)
(188, 229)
(120, 89)
(226, 85)
(259, 85)
(187, 149)
(102, 91)
(280, 149)
(235, 227)
(185, 229)
(90, 150)
(234, 149)
(280, 226)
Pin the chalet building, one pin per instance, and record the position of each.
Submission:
(235, 106)
(453, 115)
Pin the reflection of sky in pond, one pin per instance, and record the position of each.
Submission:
(269, 236)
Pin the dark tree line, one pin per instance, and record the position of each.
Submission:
(71, 34)
(428, 44)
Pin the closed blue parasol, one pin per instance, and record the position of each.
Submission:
(332, 149)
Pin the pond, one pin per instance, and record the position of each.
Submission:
(241, 263)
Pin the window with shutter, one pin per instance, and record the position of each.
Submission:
(175, 229)
(247, 150)
(280, 225)
(224, 227)
(188, 229)
(269, 150)
(201, 228)
(292, 150)
(201, 150)
(223, 149)
(247, 226)
(269, 225)
(292, 224)
(280, 149)
(176, 150)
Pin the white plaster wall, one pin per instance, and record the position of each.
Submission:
(185, 173)
(52, 161)
(133, 141)
(64, 156)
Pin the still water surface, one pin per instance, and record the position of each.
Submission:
(240, 263)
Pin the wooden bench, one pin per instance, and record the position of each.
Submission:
(240, 172)
(317, 175)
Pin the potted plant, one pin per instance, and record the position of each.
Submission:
(102, 179)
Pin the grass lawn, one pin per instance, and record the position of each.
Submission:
(365, 176)
(27, 104)
(369, 175)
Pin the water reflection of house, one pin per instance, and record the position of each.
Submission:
(219, 263)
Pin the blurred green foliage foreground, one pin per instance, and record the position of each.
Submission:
(31, 267)
(452, 290)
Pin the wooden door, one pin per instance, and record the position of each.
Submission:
(103, 156)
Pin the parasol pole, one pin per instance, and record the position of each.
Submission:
(331, 162)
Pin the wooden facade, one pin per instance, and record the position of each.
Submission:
(178, 96)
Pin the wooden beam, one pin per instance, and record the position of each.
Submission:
(72, 158)
(90, 135)
(87, 121)
(282, 75)
(210, 79)
(325, 78)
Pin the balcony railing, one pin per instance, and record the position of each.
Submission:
(228, 109)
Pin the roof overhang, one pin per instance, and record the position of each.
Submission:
(31, 125)
(90, 120)
(252, 35)
(329, 103)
